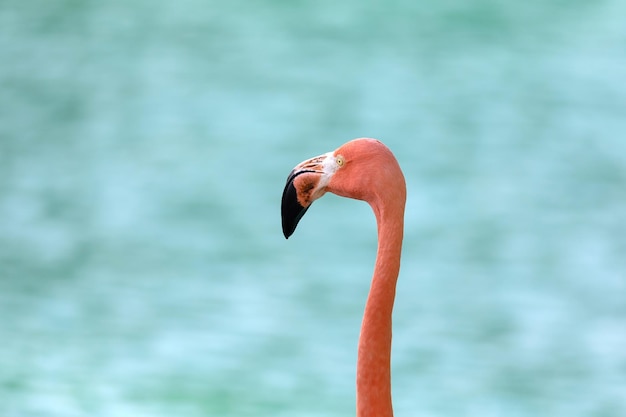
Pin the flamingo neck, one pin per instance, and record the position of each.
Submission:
(374, 352)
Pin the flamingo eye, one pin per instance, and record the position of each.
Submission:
(340, 161)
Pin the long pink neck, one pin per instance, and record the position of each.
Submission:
(374, 354)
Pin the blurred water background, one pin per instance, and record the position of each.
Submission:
(143, 150)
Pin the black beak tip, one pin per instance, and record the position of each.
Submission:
(291, 210)
(290, 221)
(288, 230)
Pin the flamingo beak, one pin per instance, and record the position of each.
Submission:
(291, 210)
(305, 184)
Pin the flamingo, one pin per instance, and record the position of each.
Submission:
(363, 169)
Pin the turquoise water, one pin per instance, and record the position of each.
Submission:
(143, 151)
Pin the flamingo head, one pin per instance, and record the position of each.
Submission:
(363, 169)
